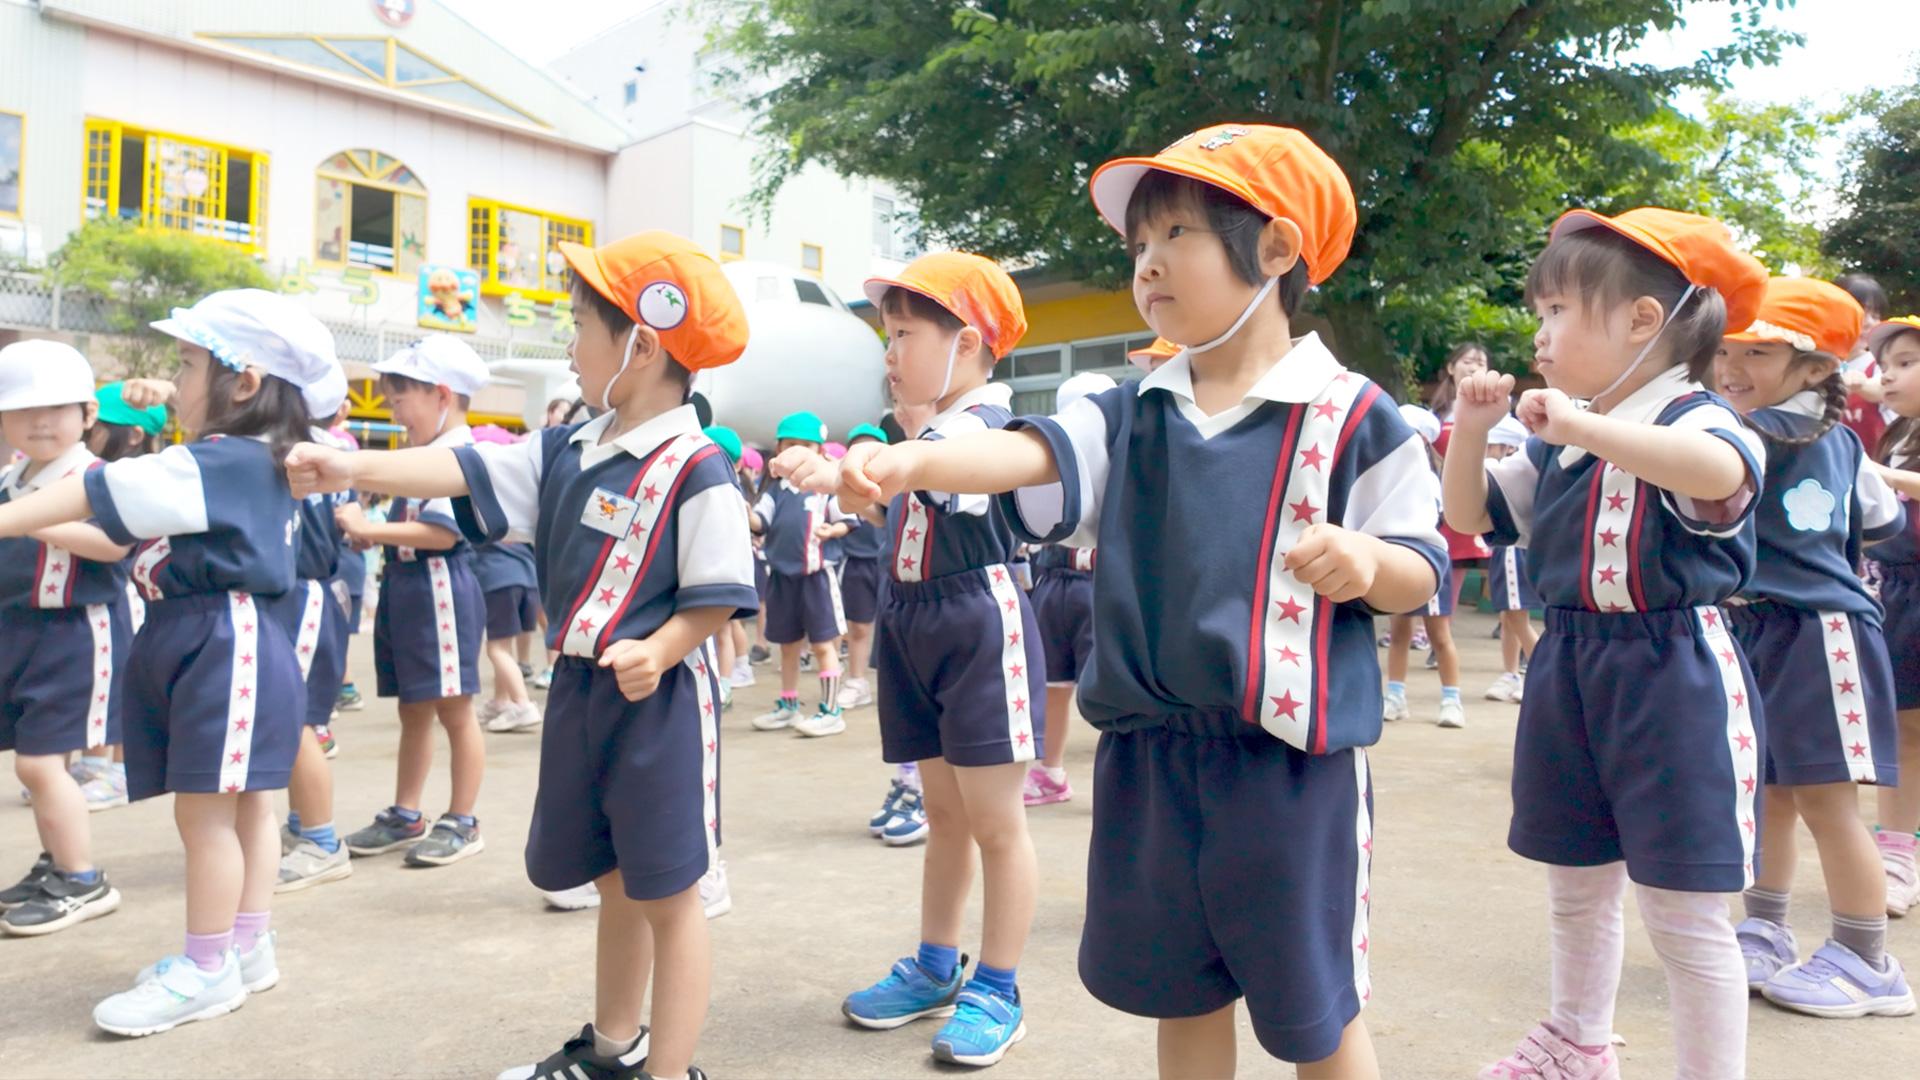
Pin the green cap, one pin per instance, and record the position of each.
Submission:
(865, 431)
(115, 410)
(726, 439)
(802, 426)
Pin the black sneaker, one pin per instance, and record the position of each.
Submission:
(759, 654)
(693, 1073)
(62, 902)
(577, 1061)
(526, 671)
(27, 887)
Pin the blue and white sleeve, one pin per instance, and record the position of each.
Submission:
(1068, 510)
(1512, 483)
(965, 423)
(1720, 518)
(715, 555)
(1395, 500)
(1881, 515)
(503, 491)
(145, 498)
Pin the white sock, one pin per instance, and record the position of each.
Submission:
(1706, 981)
(1058, 776)
(612, 1048)
(1587, 931)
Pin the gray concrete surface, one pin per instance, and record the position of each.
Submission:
(458, 972)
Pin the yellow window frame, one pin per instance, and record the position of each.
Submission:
(819, 258)
(101, 166)
(730, 256)
(389, 77)
(371, 172)
(20, 183)
(483, 228)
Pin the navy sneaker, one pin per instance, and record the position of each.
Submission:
(890, 806)
(905, 995)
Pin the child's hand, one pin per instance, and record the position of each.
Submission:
(1481, 401)
(1552, 415)
(1337, 563)
(636, 667)
(312, 468)
(829, 530)
(351, 519)
(877, 473)
(146, 393)
(805, 469)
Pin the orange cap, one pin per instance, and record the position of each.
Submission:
(1701, 248)
(666, 282)
(1808, 314)
(1886, 331)
(1276, 170)
(1161, 349)
(975, 290)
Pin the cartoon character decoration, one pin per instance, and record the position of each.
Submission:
(449, 298)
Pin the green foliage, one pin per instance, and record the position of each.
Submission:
(1879, 231)
(139, 275)
(1462, 124)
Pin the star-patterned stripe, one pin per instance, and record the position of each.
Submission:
(1511, 557)
(446, 625)
(100, 622)
(1082, 557)
(1363, 886)
(236, 754)
(308, 639)
(1610, 561)
(1849, 696)
(914, 546)
(623, 562)
(53, 581)
(1013, 660)
(146, 563)
(409, 510)
(1743, 742)
(706, 691)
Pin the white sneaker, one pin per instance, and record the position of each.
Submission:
(178, 992)
(1452, 714)
(259, 968)
(308, 864)
(1394, 708)
(855, 694)
(784, 715)
(513, 717)
(542, 681)
(821, 724)
(105, 790)
(578, 898)
(743, 673)
(1506, 688)
(489, 709)
(715, 897)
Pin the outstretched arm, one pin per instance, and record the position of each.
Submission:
(427, 472)
(58, 503)
(983, 463)
(89, 542)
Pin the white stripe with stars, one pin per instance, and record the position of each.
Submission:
(236, 752)
(620, 572)
(1743, 744)
(1849, 696)
(1013, 660)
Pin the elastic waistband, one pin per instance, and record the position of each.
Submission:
(1204, 724)
(25, 614)
(420, 561)
(1757, 611)
(174, 607)
(964, 583)
(1671, 622)
(1061, 572)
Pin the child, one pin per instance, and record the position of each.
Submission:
(1895, 344)
(64, 636)
(1243, 692)
(643, 544)
(1063, 608)
(1437, 618)
(1512, 589)
(426, 630)
(1812, 634)
(970, 716)
(505, 575)
(1639, 739)
(216, 525)
(803, 587)
(862, 585)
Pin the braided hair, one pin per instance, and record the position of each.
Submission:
(1833, 398)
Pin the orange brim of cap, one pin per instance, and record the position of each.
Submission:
(1587, 219)
(586, 266)
(876, 288)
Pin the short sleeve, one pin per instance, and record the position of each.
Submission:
(965, 423)
(1720, 518)
(1067, 510)
(1396, 498)
(763, 509)
(715, 557)
(503, 485)
(1881, 515)
(145, 498)
(1512, 483)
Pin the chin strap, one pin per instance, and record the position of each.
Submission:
(626, 357)
(1651, 342)
(1245, 314)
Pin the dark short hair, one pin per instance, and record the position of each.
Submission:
(404, 382)
(620, 324)
(277, 411)
(905, 303)
(1607, 269)
(1237, 224)
(1867, 291)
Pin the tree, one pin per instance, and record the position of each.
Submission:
(1878, 232)
(139, 275)
(1456, 119)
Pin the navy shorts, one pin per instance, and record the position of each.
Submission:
(1826, 686)
(426, 631)
(1440, 604)
(63, 677)
(1640, 739)
(1063, 609)
(1900, 595)
(804, 606)
(944, 694)
(1226, 864)
(760, 577)
(199, 671)
(314, 621)
(863, 582)
(1507, 579)
(512, 611)
(627, 784)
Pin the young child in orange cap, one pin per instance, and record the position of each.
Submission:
(1241, 690)
(645, 554)
(1813, 634)
(1638, 751)
(959, 667)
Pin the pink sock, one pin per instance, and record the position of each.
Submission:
(249, 925)
(209, 951)
(1900, 843)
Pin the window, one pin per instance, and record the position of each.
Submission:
(631, 92)
(13, 128)
(517, 250)
(381, 60)
(893, 227)
(176, 182)
(733, 242)
(369, 210)
(810, 292)
(811, 257)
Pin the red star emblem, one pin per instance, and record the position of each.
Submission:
(105, 649)
(246, 660)
(1312, 457)
(106, 674)
(1853, 716)
(102, 699)
(237, 757)
(1845, 686)
(1616, 501)
(313, 626)
(306, 648)
(1021, 738)
(232, 788)
(606, 596)
(1017, 670)
(906, 563)
(1608, 574)
(240, 599)
(246, 691)
(446, 648)
(1285, 705)
(999, 576)
(913, 534)
(449, 669)
(443, 605)
(1858, 749)
(1367, 845)
(1841, 656)
(586, 626)
(1712, 616)
(1739, 699)
(1614, 609)
(1327, 410)
(1748, 784)
(1013, 638)
(1288, 656)
(1011, 604)
(1745, 739)
(710, 746)
(711, 783)
(1608, 537)
(1363, 943)
(669, 460)
(1837, 625)
(241, 724)
(103, 626)
(1290, 609)
(247, 629)
(446, 626)
(1748, 824)
(1303, 510)
(624, 562)
(708, 706)
(1019, 704)
(1727, 655)
(650, 493)
(51, 589)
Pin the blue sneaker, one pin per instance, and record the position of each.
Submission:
(877, 824)
(909, 824)
(1767, 947)
(984, 1027)
(1836, 984)
(177, 992)
(905, 995)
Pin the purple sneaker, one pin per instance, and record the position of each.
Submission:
(1836, 984)
(1767, 947)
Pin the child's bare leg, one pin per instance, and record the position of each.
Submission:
(1511, 630)
(1353, 1061)
(1198, 1047)
(259, 835)
(997, 820)
(468, 749)
(1059, 719)
(508, 685)
(310, 785)
(1440, 633)
(416, 753)
(683, 978)
(859, 647)
(1856, 884)
(724, 651)
(216, 860)
(623, 962)
(790, 669)
(946, 877)
(59, 810)
(1779, 846)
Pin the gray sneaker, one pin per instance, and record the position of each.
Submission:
(62, 902)
(389, 832)
(449, 842)
(309, 864)
(27, 887)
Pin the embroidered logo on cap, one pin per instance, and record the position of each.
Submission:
(662, 305)
(1223, 137)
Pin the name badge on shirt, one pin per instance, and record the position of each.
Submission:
(609, 513)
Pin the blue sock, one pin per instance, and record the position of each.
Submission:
(322, 835)
(467, 820)
(1449, 693)
(293, 821)
(86, 877)
(939, 960)
(406, 815)
(1396, 689)
(1000, 979)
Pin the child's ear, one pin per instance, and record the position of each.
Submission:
(89, 412)
(1280, 244)
(245, 385)
(1645, 320)
(1820, 367)
(646, 345)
